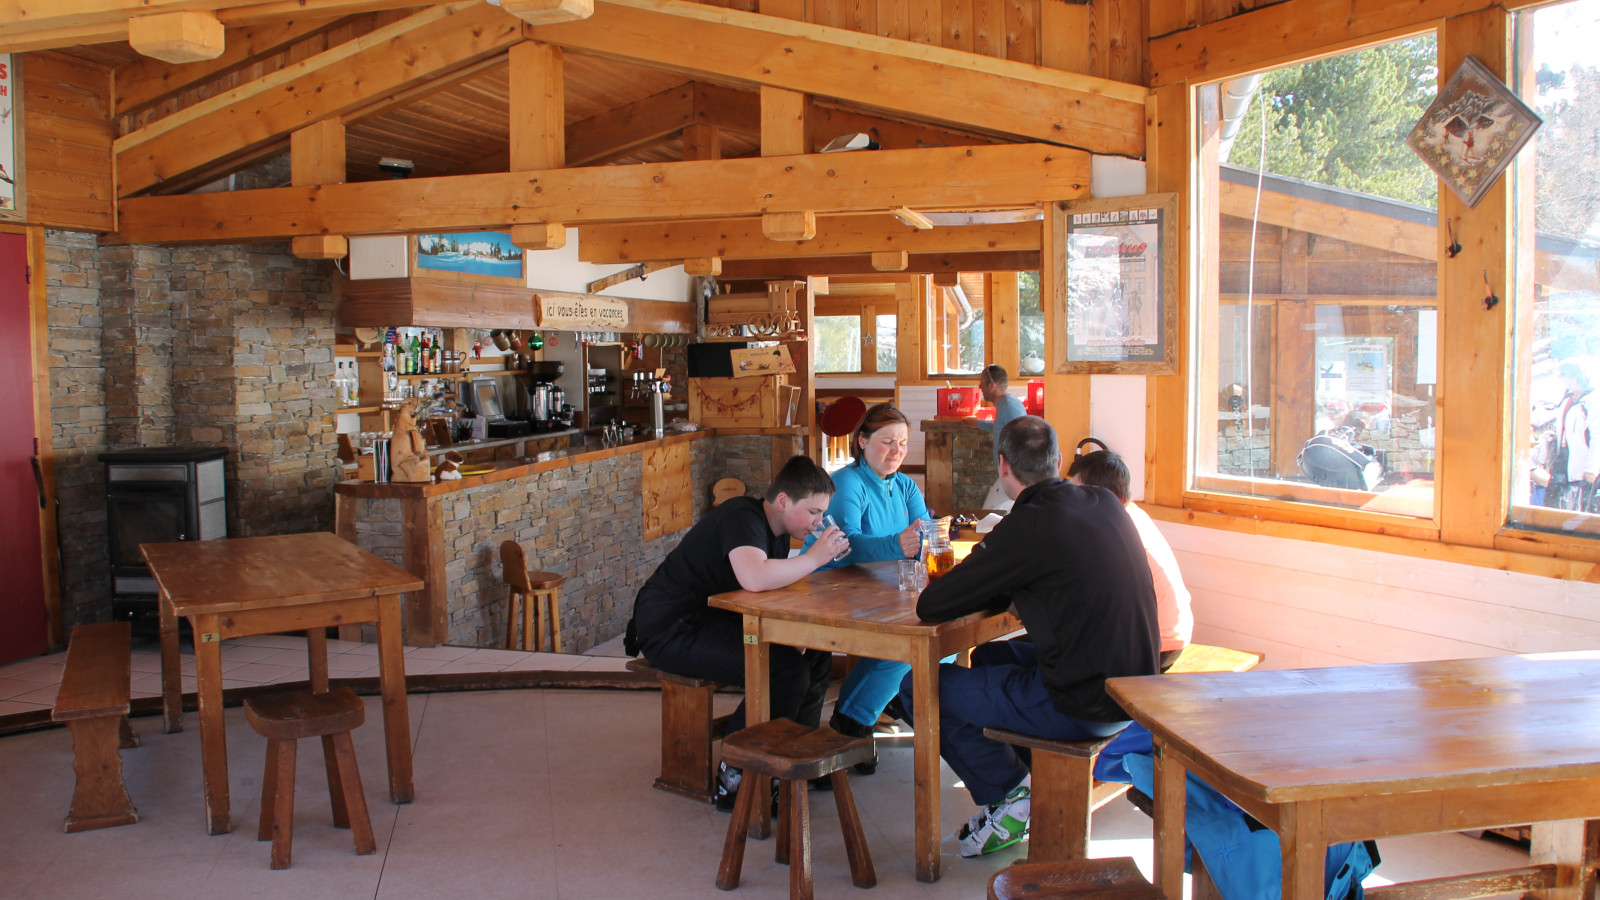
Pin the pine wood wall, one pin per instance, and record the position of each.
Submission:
(67, 139)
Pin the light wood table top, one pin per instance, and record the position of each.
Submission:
(1357, 730)
(281, 570)
(1352, 753)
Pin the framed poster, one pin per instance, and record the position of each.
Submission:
(1472, 131)
(11, 166)
(484, 257)
(1115, 296)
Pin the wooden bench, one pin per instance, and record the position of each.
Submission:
(688, 730)
(93, 701)
(1065, 792)
(1114, 879)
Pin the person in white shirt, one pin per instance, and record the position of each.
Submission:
(1176, 620)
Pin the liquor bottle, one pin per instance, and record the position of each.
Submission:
(414, 351)
(427, 355)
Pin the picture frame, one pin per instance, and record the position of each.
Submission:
(478, 257)
(1115, 291)
(13, 168)
(1472, 131)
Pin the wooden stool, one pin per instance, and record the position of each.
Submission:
(285, 719)
(794, 754)
(1084, 879)
(1065, 793)
(533, 590)
(687, 732)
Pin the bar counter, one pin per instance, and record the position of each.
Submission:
(600, 515)
(960, 464)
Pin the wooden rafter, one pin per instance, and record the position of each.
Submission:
(44, 24)
(145, 82)
(733, 239)
(915, 264)
(396, 58)
(906, 78)
(961, 177)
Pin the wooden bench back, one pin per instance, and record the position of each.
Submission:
(96, 679)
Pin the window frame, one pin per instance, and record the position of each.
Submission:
(866, 309)
(1472, 483)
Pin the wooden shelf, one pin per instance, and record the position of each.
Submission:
(356, 410)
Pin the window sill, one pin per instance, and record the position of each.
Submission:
(1524, 552)
(1389, 512)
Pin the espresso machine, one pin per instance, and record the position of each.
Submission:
(541, 398)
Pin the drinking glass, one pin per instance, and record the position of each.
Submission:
(826, 523)
(908, 574)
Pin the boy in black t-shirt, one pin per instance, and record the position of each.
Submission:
(742, 544)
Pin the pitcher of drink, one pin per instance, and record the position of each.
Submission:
(940, 556)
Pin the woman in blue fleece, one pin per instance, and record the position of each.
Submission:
(877, 507)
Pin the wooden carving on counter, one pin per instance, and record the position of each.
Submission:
(665, 485)
(408, 452)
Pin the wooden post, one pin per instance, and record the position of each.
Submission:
(317, 156)
(1002, 326)
(427, 610)
(1166, 396)
(1066, 397)
(785, 122)
(538, 128)
(1471, 471)
(702, 141)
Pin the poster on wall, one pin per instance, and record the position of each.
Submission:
(1115, 264)
(10, 141)
(485, 257)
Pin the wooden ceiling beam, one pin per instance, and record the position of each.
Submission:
(737, 239)
(906, 78)
(915, 264)
(418, 49)
(68, 23)
(946, 177)
(144, 82)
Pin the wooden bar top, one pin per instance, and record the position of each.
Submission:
(507, 469)
(1351, 731)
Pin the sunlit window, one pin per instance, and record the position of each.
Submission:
(1318, 326)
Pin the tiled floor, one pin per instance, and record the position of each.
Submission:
(269, 659)
(520, 794)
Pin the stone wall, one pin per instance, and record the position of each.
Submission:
(221, 346)
(78, 422)
(972, 460)
(584, 522)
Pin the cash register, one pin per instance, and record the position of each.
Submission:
(485, 401)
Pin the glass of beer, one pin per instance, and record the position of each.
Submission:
(941, 557)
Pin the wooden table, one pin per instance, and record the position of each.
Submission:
(1323, 756)
(860, 610)
(263, 585)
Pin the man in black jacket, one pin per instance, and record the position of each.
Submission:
(1071, 562)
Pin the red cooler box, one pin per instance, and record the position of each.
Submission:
(1034, 405)
(956, 402)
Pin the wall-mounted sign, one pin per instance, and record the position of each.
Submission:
(1115, 274)
(569, 312)
(10, 140)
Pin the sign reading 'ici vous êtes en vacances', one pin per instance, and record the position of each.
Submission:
(573, 311)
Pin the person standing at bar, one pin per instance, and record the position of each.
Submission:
(993, 385)
(878, 507)
(742, 544)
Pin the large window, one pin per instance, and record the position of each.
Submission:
(1030, 325)
(955, 317)
(1317, 324)
(856, 335)
(1556, 442)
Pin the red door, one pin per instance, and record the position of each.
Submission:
(22, 610)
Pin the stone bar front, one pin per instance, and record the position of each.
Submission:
(600, 516)
(960, 465)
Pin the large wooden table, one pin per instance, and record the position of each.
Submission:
(263, 585)
(1353, 753)
(860, 610)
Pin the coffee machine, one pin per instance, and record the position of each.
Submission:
(541, 398)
